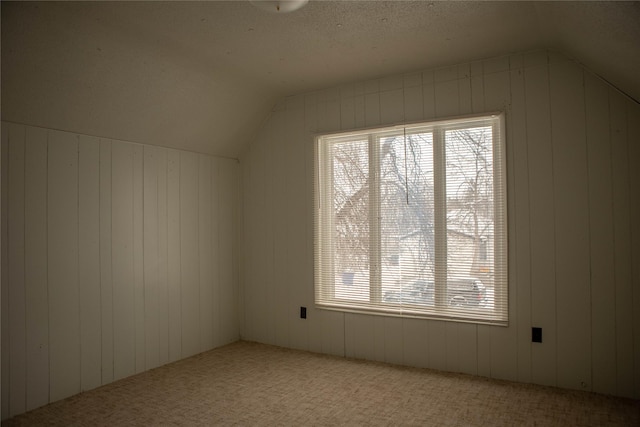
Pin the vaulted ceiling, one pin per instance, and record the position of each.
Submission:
(203, 76)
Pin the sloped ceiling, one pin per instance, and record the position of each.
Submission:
(203, 76)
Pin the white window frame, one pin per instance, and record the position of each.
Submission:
(324, 270)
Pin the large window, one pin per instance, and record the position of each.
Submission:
(411, 221)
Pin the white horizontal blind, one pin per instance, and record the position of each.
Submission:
(411, 221)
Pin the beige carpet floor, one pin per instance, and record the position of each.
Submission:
(251, 384)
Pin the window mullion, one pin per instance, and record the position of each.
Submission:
(440, 216)
(375, 273)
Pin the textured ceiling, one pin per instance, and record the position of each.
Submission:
(203, 76)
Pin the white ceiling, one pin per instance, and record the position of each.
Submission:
(203, 76)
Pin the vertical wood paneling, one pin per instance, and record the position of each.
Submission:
(464, 89)
(64, 299)
(173, 261)
(163, 257)
(372, 109)
(452, 349)
(413, 105)
(239, 270)
(316, 338)
(573, 293)
(333, 114)
(468, 348)
(370, 86)
(447, 98)
(359, 336)
(495, 65)
(332, 332)
(350, 330)
(37, 310)
(16, 251)
(227, 305)
(205, 253)
(622, 244)
(393, 337)
(414, 342)
(446, 74)
(265, 237)
(603, 342)
(437, 346)
(392, 106)
(347, 113)
(138, 258)
(295, 220)
(124, 332)
(359, 107)
(377, 324)
(412, 80)
(89, 261)
(215, 250)
(189, 260)
(228, 288)
(253, 184)
(633, 135)
(477, 91)
(542, 225)
(321, 116)
(249, 184)
(391, 83)
(106, 277)
(281, 292)
(123, 260)
(310, 114)
(345, 91)
(232, 193)
(520, 240)
(4, 271)
(151, 258)
(516, 62)
(256, 232)
(269, 220)
(428, 95)
(91, 251)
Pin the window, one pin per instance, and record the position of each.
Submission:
(411, 221)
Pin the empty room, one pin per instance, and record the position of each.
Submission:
(320, 213)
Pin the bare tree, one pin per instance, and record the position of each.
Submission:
(351, 205)
(406, 200)
(469, 156)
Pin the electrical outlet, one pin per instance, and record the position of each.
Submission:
(536, 335)
(303, 312)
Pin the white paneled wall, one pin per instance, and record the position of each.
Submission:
(116, 258)
(573, 154)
